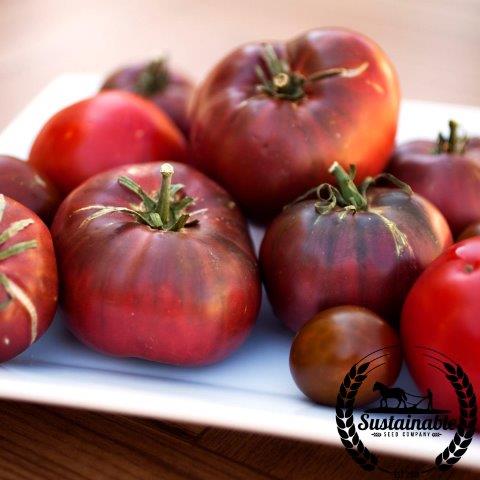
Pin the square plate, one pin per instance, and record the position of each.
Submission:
(251, 390)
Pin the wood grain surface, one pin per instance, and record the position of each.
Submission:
(434, 44)
(44, 443)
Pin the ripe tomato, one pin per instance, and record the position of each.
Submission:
(270, 118)
(332, 341)
(111, 129)
(169, 90)
(352, 246)
(20, 181)
(146, 276)
(442, 312)
(446, 172)
(28, 278)
(473, 230)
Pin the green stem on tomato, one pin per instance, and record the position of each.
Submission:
(453, 136)
(152, 79)
(347, 187)
(163, 205)
(166, 210)
(279, 81)
(14, 291)
(454, 143)
(347, 197)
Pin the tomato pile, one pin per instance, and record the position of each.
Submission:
(154, 257)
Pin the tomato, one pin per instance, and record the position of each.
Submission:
(28, 278)
(270, 118)
(327, 346)
(442, 312)
(169, 90)
(473, 230)
(352, 246)
(446, 172)
(146, 275)
(111, 129)
(20, 181)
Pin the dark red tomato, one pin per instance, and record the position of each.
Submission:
(270, 118)
(327, 346)
(111, 129)
(28, 278)
(20, 181)
(145, 275)
(446, 172)
(365, 251)
(169, 90)
(473, 230)
(442, 312)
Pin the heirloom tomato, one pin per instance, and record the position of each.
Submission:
(20, 181)
(169, 90)
(28, 278)
(271, 117)
(446, 172)
(331, 342)
(146, 275)
(111, 129)
(360, 246)
(473, 230)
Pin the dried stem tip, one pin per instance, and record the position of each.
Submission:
(166, 169)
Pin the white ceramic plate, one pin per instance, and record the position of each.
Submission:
(252, 390)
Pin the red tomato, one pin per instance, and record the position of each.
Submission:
(270, 118)
(446, 172)
(169, 90)
(442, 312)
(148, 277)
(20, 181)
(28, 278)
(111, 129)
(346, 247)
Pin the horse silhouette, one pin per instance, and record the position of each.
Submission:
(387, 392)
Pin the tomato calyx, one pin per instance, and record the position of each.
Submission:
(454, 143)
(280, 81)
(347, 196)
(153, 78)
(13, 290)
(11, 231)
(166, 211)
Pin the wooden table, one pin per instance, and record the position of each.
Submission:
(434, 44)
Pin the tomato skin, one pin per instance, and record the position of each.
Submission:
(473, 230)
(267, 151)
(111, 129)
(331, 342)
(34, 271)
(311, 262)
(451, 181)
(20, 181)
(442, 312)
(173, 99)
(183, 298)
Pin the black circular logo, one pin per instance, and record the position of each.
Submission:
(407, 404)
